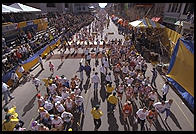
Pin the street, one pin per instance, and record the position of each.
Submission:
(182, 119)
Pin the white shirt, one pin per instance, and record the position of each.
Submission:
(165, 89)
(121, 89)
(21, 69)
(48, 106)
(159, 106)
(88, 57)
(42, 114)
(57, 122)
(68, 104)
(66, 116)
(14, 76)
(79, 100)
(65, 94)
(60, 108)
(103, 70)
(108, 78)
(106, 64)
(95, 79)
(77, 91)
(36, 81)
(58, 98)
(125, 69)
(52, 88)
(152, 96)
(167, 105)
(130, 80)
(86, 51)
(97, 50)
(4, 87)
(142, 115)
(138, 67)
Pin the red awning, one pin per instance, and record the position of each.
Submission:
(156, 19)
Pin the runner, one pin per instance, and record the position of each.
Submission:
(152, 116)
(97, 113)
(95, 79)
(165, 90)
(51, 66)
(127, 110)
(6, 93)
(36, 82)
(112, 102)
(141, 115)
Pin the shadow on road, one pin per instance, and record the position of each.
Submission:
(38, 73)
(94, 100)
(86, 85)
(59, 67)
(134, 125)
(67, 56)
(29, 106)
(102, 93)
(158, 126)
(173, 117)
(113, 126)
(82, 122)
(73, 53)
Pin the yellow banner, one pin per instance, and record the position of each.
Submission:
(22, 24)
(183, 69)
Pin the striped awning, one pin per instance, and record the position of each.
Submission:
(146, 23)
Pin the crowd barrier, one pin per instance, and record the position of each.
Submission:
(32, 61)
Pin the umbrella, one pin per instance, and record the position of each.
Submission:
(7, 9)
(25, 8)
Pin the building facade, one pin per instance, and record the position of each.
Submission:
(174, 12)
(61, 7)
(135, 11)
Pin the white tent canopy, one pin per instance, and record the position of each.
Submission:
(25, 8)
(91, 7)
(7, 9)
(135, 23)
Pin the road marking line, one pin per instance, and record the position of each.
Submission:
(185, 116)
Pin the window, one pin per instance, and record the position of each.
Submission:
(176, 7)
(66, 5)
(173, 7)
(169, 8)
(189, 8)
(83, 8)
(51, 5)
(179, 7)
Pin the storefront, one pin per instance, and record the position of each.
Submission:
(170, 22)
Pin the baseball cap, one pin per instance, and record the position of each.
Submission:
(97, 106)
(6, 109)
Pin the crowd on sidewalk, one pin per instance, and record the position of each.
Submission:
(28, 42)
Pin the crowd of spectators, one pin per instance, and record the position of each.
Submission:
(31, 41)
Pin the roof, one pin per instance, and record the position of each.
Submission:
(24, 8)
